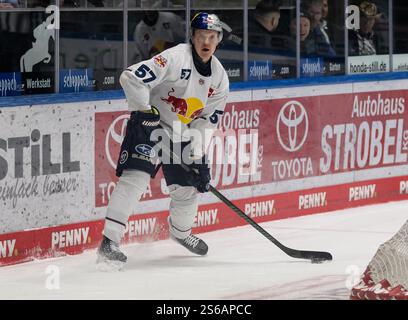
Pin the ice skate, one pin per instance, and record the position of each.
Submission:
(193, 244)
(109, 256)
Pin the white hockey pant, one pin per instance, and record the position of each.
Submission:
(129, 189)
(183, 209)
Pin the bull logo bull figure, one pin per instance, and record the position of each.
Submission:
(178, 105)
(187, 109)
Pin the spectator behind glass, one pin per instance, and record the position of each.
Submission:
(262, 23)
(156, 32)
(324, 25)
(321, 43)
(365, 42)
(307, 47)
(325, 9)
(9, 4)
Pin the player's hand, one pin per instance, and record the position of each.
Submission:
(142, 124)
(202, 176)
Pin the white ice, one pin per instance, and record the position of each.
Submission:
(241, 263)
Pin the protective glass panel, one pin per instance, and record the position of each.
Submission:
(400, 56)
(272, 40)
(91, 50)
(152, 31)
(27, 52)
(322, 38)
(368, 38)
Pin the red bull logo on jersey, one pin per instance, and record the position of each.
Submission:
(187, 109)
(160, 61)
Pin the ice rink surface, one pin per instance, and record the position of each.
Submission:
(241, 263)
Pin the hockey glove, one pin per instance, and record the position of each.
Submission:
(202, 177)
(142, 124)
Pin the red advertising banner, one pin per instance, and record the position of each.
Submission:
(309, 141)
(110, 128)
(326, 135)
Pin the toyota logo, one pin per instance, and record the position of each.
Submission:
(116, 132)
(292, 126)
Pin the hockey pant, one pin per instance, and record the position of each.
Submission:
(124, 199)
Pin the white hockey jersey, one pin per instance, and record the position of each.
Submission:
(185, 99)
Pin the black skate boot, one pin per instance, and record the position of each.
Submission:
(194, 244)
(110, 254)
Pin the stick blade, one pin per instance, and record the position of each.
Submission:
(314, 256)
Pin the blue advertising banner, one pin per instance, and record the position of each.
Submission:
(10, 84)
(260, 70)
(76, 80)
(312, 67)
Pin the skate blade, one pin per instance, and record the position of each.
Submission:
(105, 265)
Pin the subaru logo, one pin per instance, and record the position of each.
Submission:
(145, 150)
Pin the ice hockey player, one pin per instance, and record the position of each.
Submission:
(182, 88)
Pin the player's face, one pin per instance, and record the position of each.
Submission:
(205, 42)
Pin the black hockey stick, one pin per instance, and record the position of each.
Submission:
(314, 256)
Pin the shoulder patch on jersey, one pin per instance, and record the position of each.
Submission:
(160, 61)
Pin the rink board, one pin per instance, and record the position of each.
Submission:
(279, 153)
